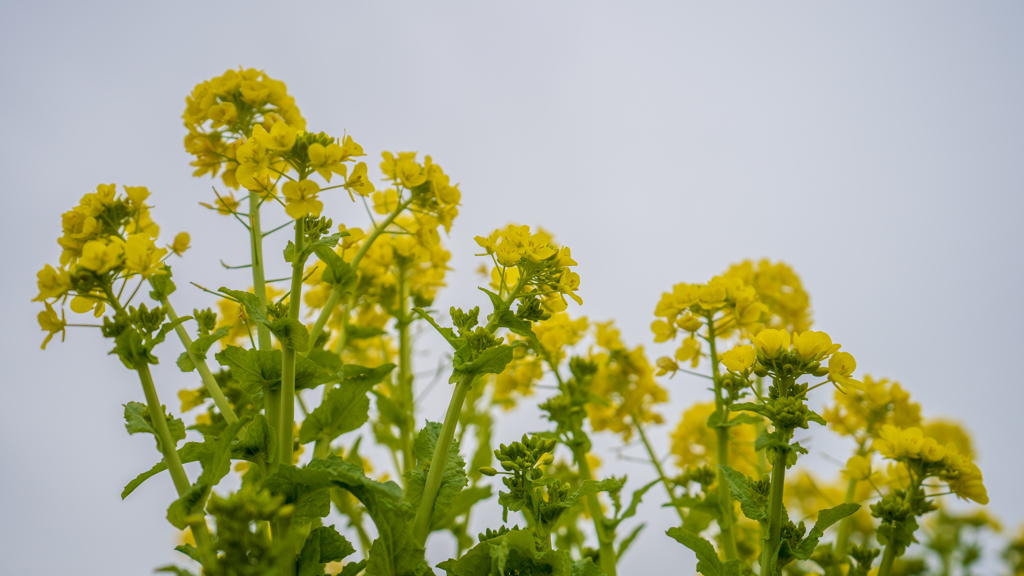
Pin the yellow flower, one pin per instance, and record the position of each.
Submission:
(568, 284)
(190, 398)
(666, 365)
(663, 331)
(410, 174)
(489, 243)
(300, 198)
(82, 304)
(280, 137)
(931, 451)
(253, 164)
(770, 343)
(911, 441)
(712, 296)
(51, 323)
(812, 346)
(385, 202)
(358, 182)
(840, 367)
(859, 468)
(223, 114)
(136, 195)
(326, 160)
(689, 351)
(564, 258)
(507, 253)
(739, 360)
(52, 283)
(969, 484)
(689, 322)
(141, 255)
(181, 243)
(101, 255)
(349, 149)
(538, 247)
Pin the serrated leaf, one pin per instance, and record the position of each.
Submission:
(323, 545)
(291, 333)
(200, 347)
(252, 369)
(826, 518)
(586, 567)
(165, 329)
(354, 375)
(708, 563)
(249, 301)
(447, 333)
(591, 487)
(185, 509)
(514, 552)
(162, 285)
(189, 452)
(336, 271)
(453, 480)
(747, 406)
(325, 359)
(345, 409)
(490, 361)
(739, 486)
(352, 568)
(259, 442)
(137, 419)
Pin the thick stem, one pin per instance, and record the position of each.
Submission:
(271, 398)
(778, 484)
(726, 519)
(170, 452)
(888, 559)
(421, 525)
(204, 370)
(657, 466)
(405, 371)
(335, 295)
(604, 540)
(287, 416)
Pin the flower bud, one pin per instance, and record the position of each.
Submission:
(488, 471)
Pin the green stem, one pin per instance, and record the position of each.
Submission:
(421, 525)
(888, 559)
(726, 518)
(778, 482)
(335, 296)
(604, 540)
(405, 371)
(200, 363)
(287, 416)
(177, 471)
(271, 398)
(657, 466)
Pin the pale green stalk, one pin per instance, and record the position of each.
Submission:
(778, 484)
(287, 417)
(177, 471)
(405, 370)
(271, 398)
(726, 520)
(421, 525)
(200, 363)
(336, 292)
(657, 466)
(604, 540)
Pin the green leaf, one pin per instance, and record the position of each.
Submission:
(354, 332)
(259, 442)
(514, 552)
(630, 510)
(253, 369)
(813, 416)
(586, 567)
(748, 406)
(291, 333)
(354, 375)
(490, 361)
(216, 460)
(137, 419)
(826, 518)
(345, 409)
(165, 329)
(352, 568)
(591, 487)
(739, 485)
(714, 421)
(465, 501)
(187, 453)
(453, 480)
(187, 509)
(200, 347)
(395, 552)
(162, 285)
(448, 334)
(708, 563)
(325, 359)
(323, 545)
(130, 348)
(327, 242)
(189, 550)
(174, 570)
(337, 271)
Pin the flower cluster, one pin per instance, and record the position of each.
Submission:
(530, 262)
(925, 457)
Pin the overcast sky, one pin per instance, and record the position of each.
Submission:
(876, 147)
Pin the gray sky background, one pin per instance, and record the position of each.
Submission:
(875, 147)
